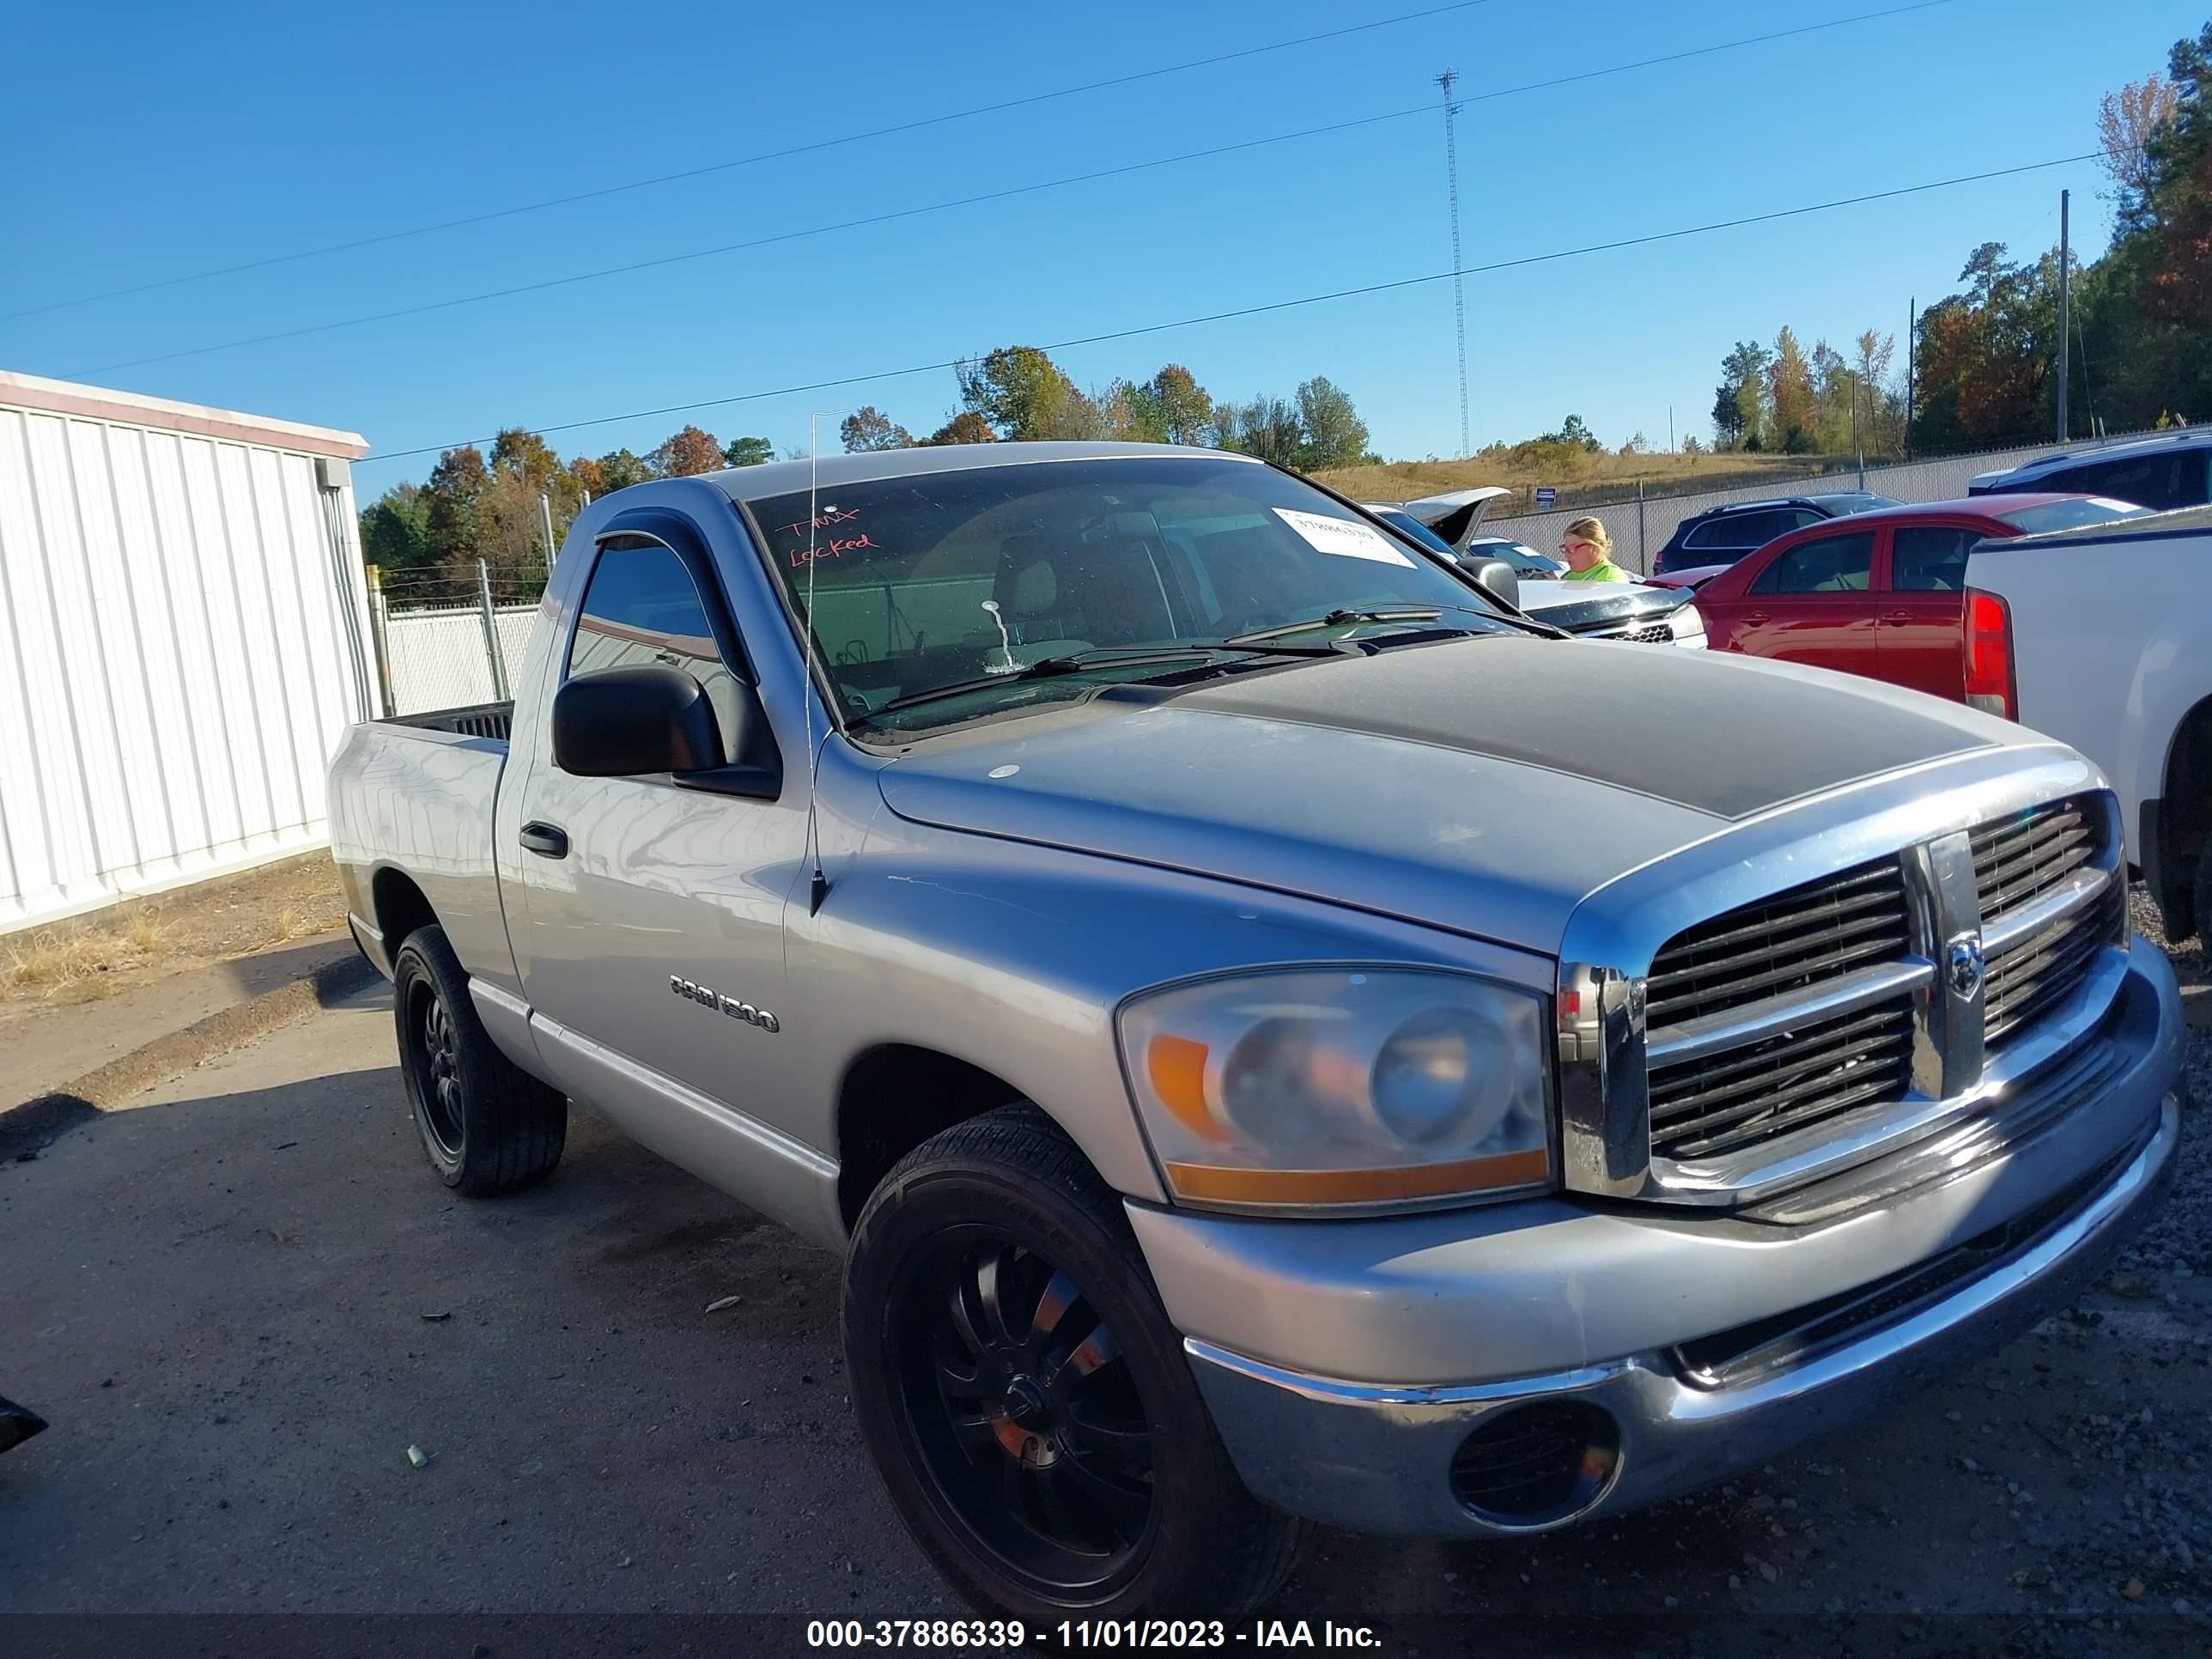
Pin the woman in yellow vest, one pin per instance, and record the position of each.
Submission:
(1588, 553)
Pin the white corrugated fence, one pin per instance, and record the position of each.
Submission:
(182, 641)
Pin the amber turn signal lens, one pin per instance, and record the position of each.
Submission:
(1177, 1069)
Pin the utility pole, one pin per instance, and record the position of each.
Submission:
(1447, 80)
(2065, 296)
(1856, 444)
(1911, 347)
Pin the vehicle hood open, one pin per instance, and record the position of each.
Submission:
(1485, 786)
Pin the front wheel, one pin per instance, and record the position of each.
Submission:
(1025, 1399)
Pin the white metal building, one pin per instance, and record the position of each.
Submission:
(182, 628)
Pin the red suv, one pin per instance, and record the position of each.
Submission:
(1881, 593)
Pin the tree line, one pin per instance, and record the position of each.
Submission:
(1985, 360)
(426, 539)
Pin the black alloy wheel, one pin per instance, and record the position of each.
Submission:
(1024, 1411)
(433, 1059)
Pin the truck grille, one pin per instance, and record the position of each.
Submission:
(2017, 861)
(1739, 1098)
(1732, 1085)
(1793, 941)
(2048, 963)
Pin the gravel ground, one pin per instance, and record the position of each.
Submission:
(241, 1303)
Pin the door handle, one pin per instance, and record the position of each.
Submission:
(1754, 616)
(1897, 615)
(547, 841)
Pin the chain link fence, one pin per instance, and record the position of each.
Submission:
(1642, 524)
(433, 651)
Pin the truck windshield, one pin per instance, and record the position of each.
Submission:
(968, 577)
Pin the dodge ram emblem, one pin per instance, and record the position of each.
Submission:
(1966, 967)
(693, 992)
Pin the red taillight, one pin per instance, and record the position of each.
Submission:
(1992, 686)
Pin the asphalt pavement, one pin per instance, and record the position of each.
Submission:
(241, 1302)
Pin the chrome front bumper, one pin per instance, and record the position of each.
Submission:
(1377, 1455)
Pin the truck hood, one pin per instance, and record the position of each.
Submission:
(1577, 606)
(1485, 786)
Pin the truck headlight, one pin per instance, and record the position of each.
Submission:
(1687, 624)
(1341, 1087)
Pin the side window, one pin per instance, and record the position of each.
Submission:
(1929, 560)
(642, 605)
(1757, 529)
(1705, 535)
(1832, 564)
(2146, 481)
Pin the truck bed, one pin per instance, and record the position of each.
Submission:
(475, 720)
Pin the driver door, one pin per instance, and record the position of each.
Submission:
(654, 909)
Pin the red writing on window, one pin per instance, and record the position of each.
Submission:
(835, 548)
(832, 517)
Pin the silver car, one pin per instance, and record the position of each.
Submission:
(1271, 1045)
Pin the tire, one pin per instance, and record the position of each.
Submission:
(2201, 897)
(486, 1126)
(1086, 1478)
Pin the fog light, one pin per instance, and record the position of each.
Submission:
(1537, 1465)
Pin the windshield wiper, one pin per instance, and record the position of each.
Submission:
(1075, 662)
(1338, 619)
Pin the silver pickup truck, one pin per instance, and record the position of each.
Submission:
(1277, 1035)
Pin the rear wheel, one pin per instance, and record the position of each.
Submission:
(1025, 1398)
(486, 1126)
(2199, 892)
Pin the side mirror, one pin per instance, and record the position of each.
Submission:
(624, 722)
(1495, 577)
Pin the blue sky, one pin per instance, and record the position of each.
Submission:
(149, 142)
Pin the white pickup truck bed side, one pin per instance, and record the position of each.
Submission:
(2112, 652)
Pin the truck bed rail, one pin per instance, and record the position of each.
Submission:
(480, 720)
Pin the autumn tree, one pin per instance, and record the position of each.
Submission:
(615, 469)
(395, 530)
(456, 491)
(2130, 122)
(1331, 432)
(1986, 354)
(1023, 393)
(1739, 402)
(1131, 413)
(1186, 412)
(1267, 427)
(685, 454)
(869, 429)
(965, 427)
(1790, 395)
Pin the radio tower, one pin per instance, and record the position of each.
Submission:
(1459, 286)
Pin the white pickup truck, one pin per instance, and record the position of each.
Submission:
(2119, 669)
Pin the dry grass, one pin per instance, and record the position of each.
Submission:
(72, 959)
(189, 927)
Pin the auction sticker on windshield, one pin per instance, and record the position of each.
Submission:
(1343, 537)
